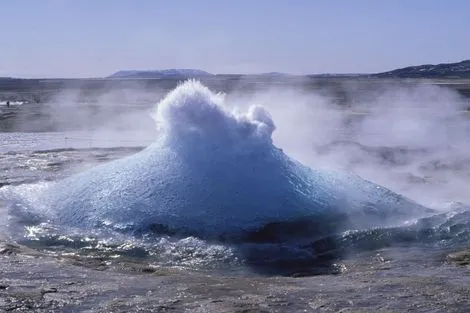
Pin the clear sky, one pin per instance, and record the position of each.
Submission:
(93, 38)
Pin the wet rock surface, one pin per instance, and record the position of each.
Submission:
(395, 280)
(461, 258)
(25, 167)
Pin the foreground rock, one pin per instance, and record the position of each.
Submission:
(459, 258)
(395, 280)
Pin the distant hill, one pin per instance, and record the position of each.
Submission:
(443, 70)
(170, 73)
(272, 74)
(184, 73)
(333, 75)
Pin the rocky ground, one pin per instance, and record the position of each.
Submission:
(391, 280)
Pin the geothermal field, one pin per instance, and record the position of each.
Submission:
(235, 194)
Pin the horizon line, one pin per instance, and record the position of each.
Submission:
(220, 74)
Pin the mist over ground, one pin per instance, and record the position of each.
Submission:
(412, 139)
(409, 137)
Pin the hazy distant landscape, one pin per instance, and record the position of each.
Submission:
(32, 101)
(438, 71)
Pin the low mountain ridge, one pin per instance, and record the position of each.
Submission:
(443, 70)
(168, 73)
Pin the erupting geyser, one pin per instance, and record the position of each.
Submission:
(210, 173)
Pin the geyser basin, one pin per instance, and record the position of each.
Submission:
(212, 173)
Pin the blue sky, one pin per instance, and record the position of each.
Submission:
(93, 38)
